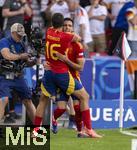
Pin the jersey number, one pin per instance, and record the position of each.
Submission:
(51, 50)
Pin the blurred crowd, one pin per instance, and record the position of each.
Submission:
(98, 22)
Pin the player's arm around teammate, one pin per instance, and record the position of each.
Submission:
(59, 77)
(74, 58)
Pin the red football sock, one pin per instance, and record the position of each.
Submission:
(86, 119)
(58, 112)
(38, 121)
(78, 117)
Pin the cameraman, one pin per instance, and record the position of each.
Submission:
(12, 52)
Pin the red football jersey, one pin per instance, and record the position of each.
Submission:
(74, 52)
(57, 41)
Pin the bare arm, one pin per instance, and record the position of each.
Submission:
(101, 18)
(76, 66)
(133, 21)
(82, 35)
(76, 38)
(82, 31)
(90, 14)
(112, 17)
(27, 9)
(7, 13)
(10, 56)
(48, 11)
(47, 65)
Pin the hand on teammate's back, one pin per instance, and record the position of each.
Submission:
(47, 65)
(76, 38)
(62, 57)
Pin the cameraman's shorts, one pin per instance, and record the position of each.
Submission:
(18, 84)
(64, 81)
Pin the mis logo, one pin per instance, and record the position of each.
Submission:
(21, 136)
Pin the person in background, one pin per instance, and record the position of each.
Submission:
(39, 7)
(60, 6)
(131, 15)
(28, 21)
(1, 18)
(81, 25)
(97, 14)
(118, 20)
(55, 6)
(13, 12)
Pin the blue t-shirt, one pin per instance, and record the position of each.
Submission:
(15, 47)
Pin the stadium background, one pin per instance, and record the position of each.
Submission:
(104, 103)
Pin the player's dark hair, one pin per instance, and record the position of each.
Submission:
(69, 19)
(57, 20)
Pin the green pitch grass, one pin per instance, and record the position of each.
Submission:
(66, 140)
(112, 140)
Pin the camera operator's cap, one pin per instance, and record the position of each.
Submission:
(19, 28)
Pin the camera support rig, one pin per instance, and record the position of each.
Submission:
(37, 44)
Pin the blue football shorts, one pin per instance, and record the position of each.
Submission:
(51, 82)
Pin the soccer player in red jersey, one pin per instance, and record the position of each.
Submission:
(75, 59)
(59, 77)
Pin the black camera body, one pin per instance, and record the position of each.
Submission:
(37, 42)
(11, 69)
